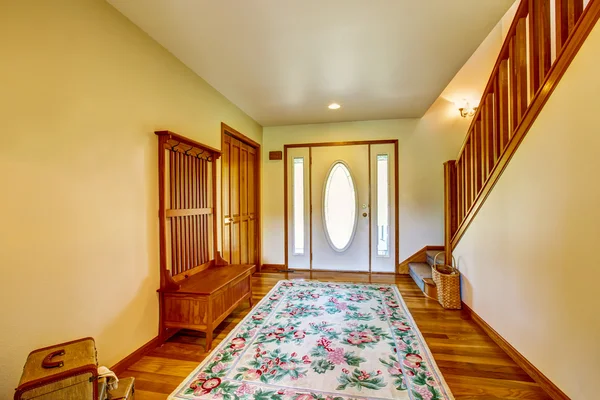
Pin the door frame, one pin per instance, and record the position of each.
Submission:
(228, 130)
(331, 144)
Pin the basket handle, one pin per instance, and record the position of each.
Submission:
(453, 261)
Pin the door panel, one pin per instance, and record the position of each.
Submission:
(239, 201)
(355, 257)
(226, 198)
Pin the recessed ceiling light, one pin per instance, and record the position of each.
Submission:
(334, 106)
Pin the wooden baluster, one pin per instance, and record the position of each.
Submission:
(479, 155)
(459, 190)
(539, 42)
(491, 136)
(449, 207)
(567, 14)
(521, 66)
(512, 73)
(469, 167)
(503, 130)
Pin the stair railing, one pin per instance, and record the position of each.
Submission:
(531, 62)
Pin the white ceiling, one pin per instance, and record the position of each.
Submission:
(283, 61)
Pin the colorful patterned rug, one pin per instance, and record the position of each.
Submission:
(319, 340)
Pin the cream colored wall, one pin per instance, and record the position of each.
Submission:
(424, 145)
(529, 258)
(83, 89)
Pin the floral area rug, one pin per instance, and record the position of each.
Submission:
(319, 340)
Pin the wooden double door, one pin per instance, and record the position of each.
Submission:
(239, 179)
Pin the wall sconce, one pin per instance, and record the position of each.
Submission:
(466, 110)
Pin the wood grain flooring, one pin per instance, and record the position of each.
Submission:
(472, 364)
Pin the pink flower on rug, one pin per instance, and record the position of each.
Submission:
(245, 389)
(336, 356)
(287, 284)
(411, 364)
(423, 391)
(306, 360)
(299, 334)
(412, 357)
(324, 342)
(354, 338)
(401, 326)
(396, 369)
(218, 368)
(342, 306)
(252, 374)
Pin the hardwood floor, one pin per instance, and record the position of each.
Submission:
(472, 364)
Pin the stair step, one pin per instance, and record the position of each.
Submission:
(431, 256)
(430, 288)
(419, 272)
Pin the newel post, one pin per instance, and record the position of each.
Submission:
(450, 208)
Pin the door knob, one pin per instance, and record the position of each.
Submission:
(364, 214)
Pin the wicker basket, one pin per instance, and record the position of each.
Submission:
(447, 282)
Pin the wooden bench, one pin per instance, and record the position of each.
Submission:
(205, 299)
(198, 289)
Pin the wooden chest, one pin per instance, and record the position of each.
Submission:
(68, 371)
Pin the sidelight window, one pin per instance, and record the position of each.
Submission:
(298, 205)
(383, 206)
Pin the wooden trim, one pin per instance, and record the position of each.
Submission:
(419, 256)
(397, 202)
(586, 23)
(310, 205)
(272, 267)
(285, 206)
(370, 208)
(546, 384)
(349, 143)
(137, 355)
(324, 144)
(228, 130)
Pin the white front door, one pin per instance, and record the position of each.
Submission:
(340, 204)
(341, 214)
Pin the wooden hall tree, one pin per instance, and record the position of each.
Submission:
(240, 197)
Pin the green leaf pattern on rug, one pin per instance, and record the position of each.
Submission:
(312, 340)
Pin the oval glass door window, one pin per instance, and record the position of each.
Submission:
(340, 207)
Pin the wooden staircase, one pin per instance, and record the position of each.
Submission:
(532, 61)
(420, 272)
